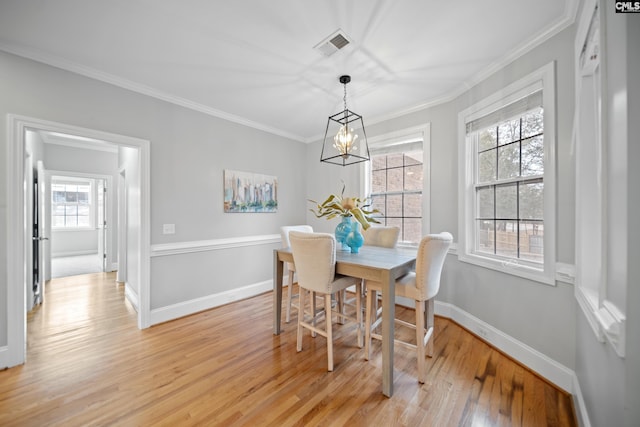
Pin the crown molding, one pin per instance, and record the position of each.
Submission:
(73, 67)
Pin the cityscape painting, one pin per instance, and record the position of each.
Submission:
(250, 192)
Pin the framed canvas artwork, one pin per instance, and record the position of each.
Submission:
(250, 192)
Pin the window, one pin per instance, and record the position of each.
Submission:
(71, 203)
(506, 183)
(396, 184)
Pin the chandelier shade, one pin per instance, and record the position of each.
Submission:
(345, 138)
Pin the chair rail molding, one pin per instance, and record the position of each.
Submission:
(177, 248)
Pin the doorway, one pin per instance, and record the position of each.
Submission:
(134, 154)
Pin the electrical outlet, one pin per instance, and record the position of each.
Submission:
(168, 229)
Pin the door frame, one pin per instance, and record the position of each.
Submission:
(16, 230)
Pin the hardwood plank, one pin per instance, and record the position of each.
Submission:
(88, 364)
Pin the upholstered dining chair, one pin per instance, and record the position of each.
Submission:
(383, 236)
(421, 286)
(314, 255)
(290, 267)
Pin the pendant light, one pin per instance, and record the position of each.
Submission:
(345, 140)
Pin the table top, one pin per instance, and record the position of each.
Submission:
(369, 257)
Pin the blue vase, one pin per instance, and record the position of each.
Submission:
(355, 238)
(342, 231)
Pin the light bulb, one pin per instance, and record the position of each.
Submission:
(345, 141)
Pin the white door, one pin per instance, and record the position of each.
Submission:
(40, 237)
(102, 222)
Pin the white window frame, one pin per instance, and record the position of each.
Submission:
(92, 202)
(542, 78)
(593, 278)
(398, 138)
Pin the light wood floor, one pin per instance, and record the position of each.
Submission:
(88, 364)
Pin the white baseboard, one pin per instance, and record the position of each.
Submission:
(546, 367)
(4, 357)
(131, 296)
(186, 308)
(579, 404)
(73, 253)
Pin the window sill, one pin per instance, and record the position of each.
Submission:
(514, 269)
(607, 321)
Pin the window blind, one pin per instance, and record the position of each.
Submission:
(516, 108)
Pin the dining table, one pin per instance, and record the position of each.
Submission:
(379, 264)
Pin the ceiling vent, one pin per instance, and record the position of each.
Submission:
(333, 43)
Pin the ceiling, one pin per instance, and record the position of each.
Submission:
(254, 62)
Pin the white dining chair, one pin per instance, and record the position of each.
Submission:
(421, 286)
(290, 267)
(314, 255)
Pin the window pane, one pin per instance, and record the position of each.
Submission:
(509, 132)
(507, 238)
(485, 202)
(83, 210)
(394, 179)
(378, 202)
(58, 196)
(487, 166)
(412, 230)
(413, 205)
(58, 220)
(532, 200)
(487, 139)
(71, 221)
(533, 156)
(395, 160)
(379, 181)
(378, 162)
(72, 197)
(71, 210)
(83, 221)
(395, 222)
(394, 205)
(484, 236)
(532, 123)
(506, 201)
(532, 241)
(413, 177)
(413, 158)
(83, 197)
(58, 210)
(509, 161)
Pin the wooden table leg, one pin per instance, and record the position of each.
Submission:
(388, 315)
(278, 269)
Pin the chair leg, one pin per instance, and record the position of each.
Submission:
(289, 293)
(420, 336)
(430, 322)
(340, 296)
(313, 312)
(327, 308)
(371, 295)
(359, 312)
(301, 293)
